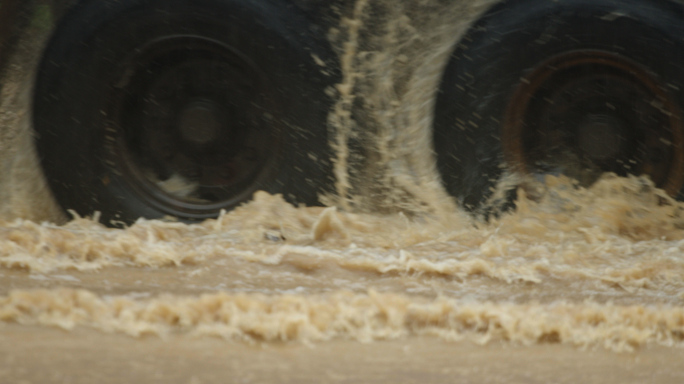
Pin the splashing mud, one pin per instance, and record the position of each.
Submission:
(392, 55)
(598, 266)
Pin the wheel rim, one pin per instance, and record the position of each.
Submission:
(191, 134)
(587, 112)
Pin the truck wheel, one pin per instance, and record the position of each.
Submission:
(155, 108)
(574, 87)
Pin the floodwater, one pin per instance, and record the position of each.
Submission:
(595, 275)
(575, 285)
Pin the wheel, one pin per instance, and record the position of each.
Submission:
(155, 108)
(574, 87)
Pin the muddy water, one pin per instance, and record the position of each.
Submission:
(599, 267)
(574, 277)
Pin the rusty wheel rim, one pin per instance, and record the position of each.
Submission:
(600, 110)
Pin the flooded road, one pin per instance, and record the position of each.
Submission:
(42, 355)
(575, 285)
(596, 276)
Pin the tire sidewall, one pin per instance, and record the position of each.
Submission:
(73, 128)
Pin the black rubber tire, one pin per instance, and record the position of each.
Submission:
(88, 64)
(507, 43)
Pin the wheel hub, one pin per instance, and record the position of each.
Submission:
(194, 135)
(587, 112)
(201, 122)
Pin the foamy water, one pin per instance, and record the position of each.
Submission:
(601, 266)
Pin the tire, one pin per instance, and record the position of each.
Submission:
(575, 87)
(156, 108)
